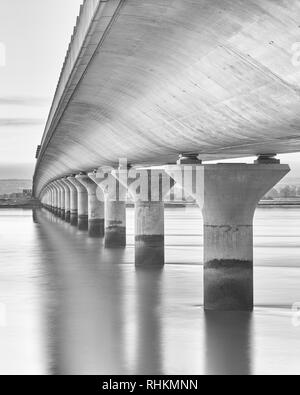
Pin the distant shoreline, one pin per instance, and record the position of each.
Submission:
(262, 204)
(23, 206)
(22, 203)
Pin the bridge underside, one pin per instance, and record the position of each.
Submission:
(213, 77)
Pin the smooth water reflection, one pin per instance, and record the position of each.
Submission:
(229, 343)
(74, 307)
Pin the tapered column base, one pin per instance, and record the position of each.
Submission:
(149, 239)
(150, 250)
(83, 222)
(96, 228)
(115, 237)
(228, 285)
(74, 218)
(68, 217)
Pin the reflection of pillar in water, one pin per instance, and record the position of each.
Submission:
(148, 301)
(85, 318)
(34, 216)
(228, 343)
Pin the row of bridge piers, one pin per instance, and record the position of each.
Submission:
(227, 194)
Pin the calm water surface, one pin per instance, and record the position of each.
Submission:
(69, 306)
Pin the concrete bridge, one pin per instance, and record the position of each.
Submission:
(172, 84)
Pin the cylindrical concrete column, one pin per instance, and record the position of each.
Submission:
(67, 200)
(42, 198)
(228, 195)
(95, 205)
(148, 189)
(57, 199)
(153, 186)
(115, 223)
(149, 233)
(83, 222)
(62, 200)
(50, 197)
(115, 209)
(53, 198)
(73, 202)
(60, 206)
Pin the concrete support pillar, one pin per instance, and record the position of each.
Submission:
(50, 197)
(115, 223)
(67, 200)
(62, 200)
(228, 195)
(60, 208)
(43, 198)
(83, 222)
(95, 205)
(115, 208)
(57, 199)
(149, 233)
(53, 198)
(48, 200)
(73, 202)
(148, 189)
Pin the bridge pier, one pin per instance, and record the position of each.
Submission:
(54, 199)
(228, 195)
(115, 208)
(83, 218)
(73, 203)
(115, 223)
(67, 200)
(148, 189)
(62, 200)
(50, 198)
(149, 233)
(58, 199)
(46, 198)
(96, 207)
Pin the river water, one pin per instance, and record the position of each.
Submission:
(69, 306)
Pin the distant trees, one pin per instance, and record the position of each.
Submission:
(283, 192)
(272, 194)
(288, 191)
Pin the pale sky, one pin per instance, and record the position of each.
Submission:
(35, 35)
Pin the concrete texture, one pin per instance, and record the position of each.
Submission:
(115, 224)
(52, 198)
(149, 234)
(228, 195)
(61, 202)
(114, 196)
(82, 207)
(67, 200)
(62, 199)
(159, 78)
(148, 189)
(73, 203)
(57, 199)
(95, 207)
